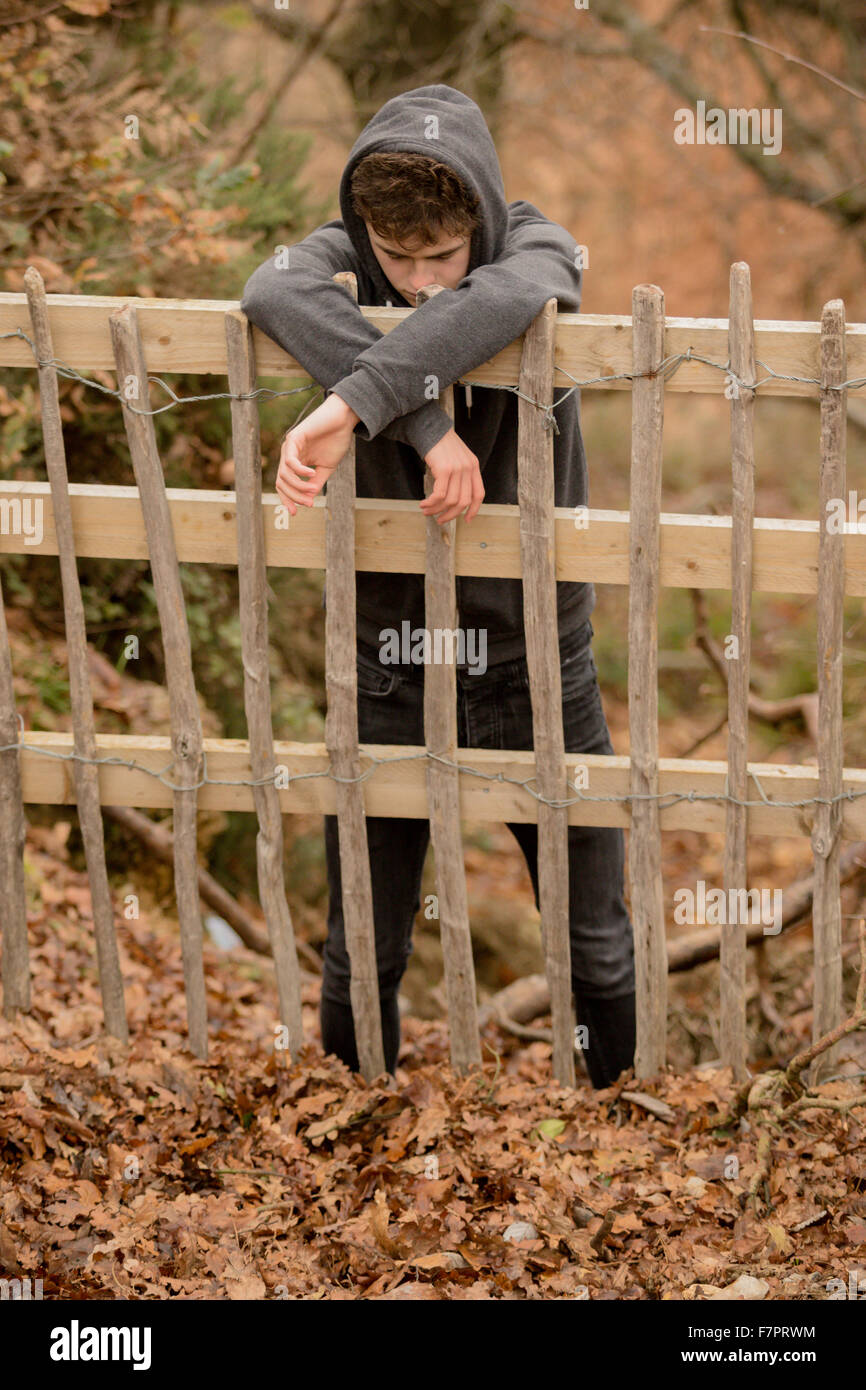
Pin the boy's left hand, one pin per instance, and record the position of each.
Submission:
(312, 450)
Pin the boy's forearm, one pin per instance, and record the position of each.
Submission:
(458, 330)
(314, 320)
(422, 431)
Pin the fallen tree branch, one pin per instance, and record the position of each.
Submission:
(804, 1059)
(694, 948)
(529, 996)
(521, 1031)
(771, 711)
(822, 1103)
(160, 842)
(659, 1108)
(798, 1064)
(519, 1002)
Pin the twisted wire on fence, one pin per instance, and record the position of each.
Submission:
(667, 798)
(667, 367)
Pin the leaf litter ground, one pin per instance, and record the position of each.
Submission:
(149, 1175)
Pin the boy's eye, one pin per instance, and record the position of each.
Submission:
(396, 256)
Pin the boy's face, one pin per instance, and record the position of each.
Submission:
(409, 267)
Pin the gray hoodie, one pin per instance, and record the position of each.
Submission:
(518, 260)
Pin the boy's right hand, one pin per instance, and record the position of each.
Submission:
(457, 480)
(312, 450)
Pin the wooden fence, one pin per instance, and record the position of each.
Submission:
(644, 548)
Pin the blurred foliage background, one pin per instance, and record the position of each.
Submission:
(171, 214)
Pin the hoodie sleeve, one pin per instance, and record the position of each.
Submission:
(316, 321)
(459, 329)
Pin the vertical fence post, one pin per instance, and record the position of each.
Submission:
(186, 735)
(826, 903)
(253, 608)
(645, 878)
(13, 897)
(341, 738)
(535, 496)
(86, 772)
(443, 787)
(741, 355)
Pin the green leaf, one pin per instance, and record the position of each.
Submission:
(550, 1128)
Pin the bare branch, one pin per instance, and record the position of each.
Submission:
(788, 57)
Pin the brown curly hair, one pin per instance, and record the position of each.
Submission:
(408, 197)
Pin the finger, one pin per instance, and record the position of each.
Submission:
(440, 484)
(451, 512)
(286, 502)
(436, 499)
(300, 481)
(292, 448)
(293, 444)
(291, 461)
(291, 456)
(477, 496)
(289, 491)
(455, 487)
(288, 474)
(289, 505)
(452, 507)
(446, 492)
(465, 494)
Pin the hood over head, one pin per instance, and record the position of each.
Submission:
(457, 137)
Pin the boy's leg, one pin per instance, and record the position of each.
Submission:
(390, 710)
(602, 941)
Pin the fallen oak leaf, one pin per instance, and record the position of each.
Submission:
(408, 1291)
(8, 1252)
(381, 1287)
(441, 1259)
(312, 1105)
(379, 1218)
(746, 1287)
(778, 1238)
(348, 1114)
(195, 1146)
(242, 1279)
(520, 1231)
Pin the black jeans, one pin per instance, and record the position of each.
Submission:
(493, 711)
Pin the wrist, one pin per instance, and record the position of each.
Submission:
(351, 417)
(439, 441)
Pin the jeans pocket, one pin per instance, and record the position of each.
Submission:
(373, 678)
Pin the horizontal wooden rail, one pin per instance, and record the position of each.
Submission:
(399, 788)
(188, 335)
(390, 537)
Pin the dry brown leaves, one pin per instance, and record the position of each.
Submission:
(151, 1175)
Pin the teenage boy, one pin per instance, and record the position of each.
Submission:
(423, 202)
